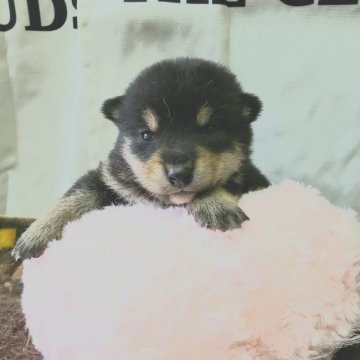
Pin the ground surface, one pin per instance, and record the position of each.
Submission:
(15, 344)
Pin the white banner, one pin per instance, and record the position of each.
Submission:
(63, 60)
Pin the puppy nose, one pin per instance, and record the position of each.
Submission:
(179, 175)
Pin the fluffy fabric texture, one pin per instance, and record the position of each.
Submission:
(140, 283)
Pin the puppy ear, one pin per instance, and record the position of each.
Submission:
(111, 108)
(251, 107)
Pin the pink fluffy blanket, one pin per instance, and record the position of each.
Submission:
(138, 283)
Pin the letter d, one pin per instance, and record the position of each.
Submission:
(60, 14)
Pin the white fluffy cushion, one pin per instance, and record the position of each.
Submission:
(137, 283)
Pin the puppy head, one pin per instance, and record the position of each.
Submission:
(184, 127)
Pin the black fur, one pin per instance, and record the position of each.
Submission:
(176, 90)
(149, 164)
(93, 182)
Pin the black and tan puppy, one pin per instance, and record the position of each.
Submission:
(184, 140)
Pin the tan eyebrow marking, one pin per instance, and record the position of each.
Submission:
(151, 119)
(204, 115)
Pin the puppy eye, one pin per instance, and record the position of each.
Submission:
(147, 135)
(210, 129)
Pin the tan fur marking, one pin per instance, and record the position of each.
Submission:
(150, 174)
(151, 119)
(154, 172)
(135, 164)
(111, 182)
(204, 115)
(214, 169)
(246, 111)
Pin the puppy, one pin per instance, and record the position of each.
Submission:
(184, 140)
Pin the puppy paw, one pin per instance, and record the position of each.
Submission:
(217, 211)
(33, 242)
(29, 245)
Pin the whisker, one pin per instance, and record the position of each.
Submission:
(168, 109)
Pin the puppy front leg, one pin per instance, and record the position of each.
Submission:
(217, 210)
(34, 240)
